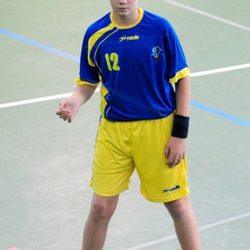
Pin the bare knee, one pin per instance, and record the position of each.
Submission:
(102, 208)
(178, 208)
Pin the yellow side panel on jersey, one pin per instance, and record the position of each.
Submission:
(103, 93)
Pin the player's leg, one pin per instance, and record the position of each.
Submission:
(161, 183)
(101, 211)
(185, 223)
(112, 169)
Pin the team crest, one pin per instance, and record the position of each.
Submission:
(156, 52)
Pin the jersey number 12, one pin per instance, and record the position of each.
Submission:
(112, 61)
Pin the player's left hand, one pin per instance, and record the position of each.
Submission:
(175, 151)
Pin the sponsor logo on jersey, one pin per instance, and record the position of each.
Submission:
(129, 38)
(156, 52)
(171, 189)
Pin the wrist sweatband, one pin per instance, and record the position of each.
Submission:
(180, 126)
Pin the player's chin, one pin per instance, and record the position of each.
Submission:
(123, 12)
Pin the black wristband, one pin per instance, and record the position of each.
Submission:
(180, 126)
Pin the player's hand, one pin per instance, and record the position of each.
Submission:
(175, 151)
(68, 109)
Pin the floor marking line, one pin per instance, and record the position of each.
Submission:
(39, 45)
(220, 114)
(34, 100)
(220, 70)
(203, 13)
(193, 103)
(55, 97)
(202, 228)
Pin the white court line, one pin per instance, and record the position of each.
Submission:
(34, 100)
(203, 13)
(55, 97)
(220, 70)
(202, 228)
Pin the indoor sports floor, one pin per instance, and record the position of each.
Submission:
(45, 164)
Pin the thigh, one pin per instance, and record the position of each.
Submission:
(159, 182)
(113, 164)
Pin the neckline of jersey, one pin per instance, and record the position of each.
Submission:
(141, 12)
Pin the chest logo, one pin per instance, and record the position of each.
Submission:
(156, 52)
(129, 38)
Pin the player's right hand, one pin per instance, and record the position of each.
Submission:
(67, 110)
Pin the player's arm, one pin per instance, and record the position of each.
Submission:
(175, 150)
(70, 105)
(182, 96)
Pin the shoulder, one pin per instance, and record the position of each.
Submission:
(98, 25)
(157, 21)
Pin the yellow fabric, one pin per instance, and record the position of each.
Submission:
(179, 75)
(103, 93)
(93, 39)
(80, 82)
(122, 147)
(141, 11)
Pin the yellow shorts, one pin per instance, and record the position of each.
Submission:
(122, 147)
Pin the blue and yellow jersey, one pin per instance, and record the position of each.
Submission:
(136, 64)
